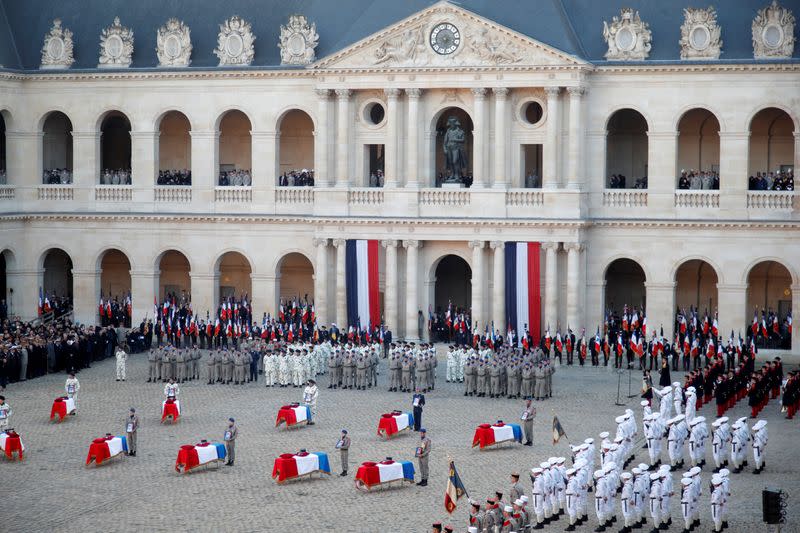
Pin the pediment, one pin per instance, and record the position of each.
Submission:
(481, 43)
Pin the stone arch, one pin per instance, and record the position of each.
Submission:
(296, 143)
(174, 269)
(437, 128)
(699, 140)
(57, 147)
(234, 270)
(696, 281)
(234, 141)
(772, 105)
(625, 278)
(174, 142)
(294, 272)
(8, 261)
(771, 144)
(626, 149)
(115, 267)
(115, 141)
(163, 112)
(57, 265)
(687, 108)
(770, 283)
(451, 274)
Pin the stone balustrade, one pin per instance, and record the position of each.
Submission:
(113, 193)
(370, 196)
(524, 198)
(233, 195)
(625, 198)
(59, 193)
(294, 195)
(7, 192)
(697, 199)
(444, 197)
(783, 200)
(172, 193)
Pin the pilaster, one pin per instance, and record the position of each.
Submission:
(392, 140)
(341, 300)
(413, 125)
(205, 291)
(412, 289)
(390, 293)
(550, 170)
(85, 295)
(144, 287)
(660, 309)
(322, 139)
(500, 137)
(551, 285)
(575, 154)
(321, 281)
(478, 283)
(498, 284)
(343, 121)
(732, 312)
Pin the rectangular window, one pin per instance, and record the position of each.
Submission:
(374, 155)
(531, 167)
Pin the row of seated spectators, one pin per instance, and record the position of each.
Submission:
(297, 178)
(120, 176)
(698, 180)
(174, 177)
(29, 351)
(619, 181)
(772, 181)
(57, 176)
(235, 178)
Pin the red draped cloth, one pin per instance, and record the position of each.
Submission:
(284, 467)
(59, 408)
(368, 474)
(187, 458)
(13, 444)
(170, 409)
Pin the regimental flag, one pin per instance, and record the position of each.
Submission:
(361, 272)
(558, 431)
(754, 327)
(523, 291)
(41, 303)
(455, 490)
(789, 322)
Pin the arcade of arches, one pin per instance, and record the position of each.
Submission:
(174, 142)
(296, 148)
(625, 280)
(453, 284)
(235, 147)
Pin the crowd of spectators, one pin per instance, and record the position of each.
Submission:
(772, 181)
(235, 178)
(57, 176)
(533, 181)
(619, 181)
(376, 178)
(696, 180)
(29, 351)
(297, 178)
(466, 181)
(120, 176)
(174, 177)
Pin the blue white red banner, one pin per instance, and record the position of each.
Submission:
(361, 272)
(523, 292)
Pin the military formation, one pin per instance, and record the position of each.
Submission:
(506, 372)
(412, 367)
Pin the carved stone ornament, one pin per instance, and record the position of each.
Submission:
(298, 41)
(174, 44)
(57, 48)
(627, 36)
(773, 32)
(116, 46)
(493, 49)
(235, 42)
(700, 34)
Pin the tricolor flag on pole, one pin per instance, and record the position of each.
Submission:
(455, 490)
(523, 291)
(361, 273)
(558, 431)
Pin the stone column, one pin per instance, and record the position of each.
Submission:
(574, 257)
(733, 159)
(144, 159)
(205, 154)
(343, 138)
(85, 158)
(412, 132)
(205, 292)
(265, 295)
(392, 139)
(341, 293)
(478, 283)
(24, 300)
(500, 136)
(662, 174)
(322, 139)
(24, 157)
(479, 139)
(321, 282)
(732, 309)
(551, 285)
(498, 284)
(795, 300)
(85, 295)
(265, 160)
(660, 298)
(575, 154)
(412, 289)
(551, 177)
(390, 291)
(144, 286)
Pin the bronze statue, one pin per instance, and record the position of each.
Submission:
(454, 153)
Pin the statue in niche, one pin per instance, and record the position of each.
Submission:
(454, 153)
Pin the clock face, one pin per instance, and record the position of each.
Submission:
(445, 38)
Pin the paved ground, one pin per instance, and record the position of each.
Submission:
(52, 490)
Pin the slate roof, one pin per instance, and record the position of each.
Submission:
(573, 26)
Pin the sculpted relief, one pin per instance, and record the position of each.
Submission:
(628, 37)
(773, 32)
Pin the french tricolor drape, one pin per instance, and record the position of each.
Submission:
(523, 292)
(361, 272)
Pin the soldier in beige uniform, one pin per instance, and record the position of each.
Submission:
(152, 357)
(344, 451)
(166, 368)
(516, 487)
(180, 366)
(422, 453)
(210, 367)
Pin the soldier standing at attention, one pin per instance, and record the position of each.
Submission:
(121, 357)
(230, 441)
(418, 402)
(152, 356)
(527, 421)
(422, 453)
(344, 451)
(131, 427)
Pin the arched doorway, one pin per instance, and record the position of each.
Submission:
(771, 149)
(453, 285)
(441, 125)
(698, 150)
(235, 148)
(174, 280)
(696, 287)
(3, 163)
(234, 276)
(57, 279)
(625, 281)
(626, 150)
(115, 287)
(115, 149)
(174, 150)
(769, 296)
(296, 148)
(56, 149)
(295, 278)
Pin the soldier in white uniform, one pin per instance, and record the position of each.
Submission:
(72, 386)
(667, 491)
(641, 488)
(283, 370)
(572, 493)
(270, 373)
(760, 438)
(310, 395)
(687, 503)
(718, 500)
(691, 403)
(538, 496)
(655, 499)
(121, 357)
(171, 390)
(627, 502)
(740, 436)
(654, 435)
(720, 442)
(5, 414)
(665, 402)
(601, 494)
(452, 357)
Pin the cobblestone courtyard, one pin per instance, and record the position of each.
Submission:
(53, 491)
